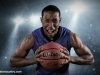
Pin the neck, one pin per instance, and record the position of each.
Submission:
(51, 37)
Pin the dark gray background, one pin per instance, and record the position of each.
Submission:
(86, 27)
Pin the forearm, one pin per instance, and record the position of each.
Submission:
(21, 62)
(80, 60)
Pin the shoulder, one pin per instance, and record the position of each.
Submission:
(64, 31)
(64, 28)
(27, 41)
(28, 37)
(75, 40)
(36, 30)
(74, 36)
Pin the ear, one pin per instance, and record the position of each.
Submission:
(41, 19)
(60, 19)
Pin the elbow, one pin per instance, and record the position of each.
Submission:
(12, 62)
(91, 60)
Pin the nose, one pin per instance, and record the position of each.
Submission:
(51, 26)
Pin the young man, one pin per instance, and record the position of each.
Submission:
(51, 31)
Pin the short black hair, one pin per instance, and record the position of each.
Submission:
(51, 8)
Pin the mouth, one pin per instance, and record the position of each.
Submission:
(50, 31)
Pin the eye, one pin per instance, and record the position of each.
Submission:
(47, 20)
(55, 20)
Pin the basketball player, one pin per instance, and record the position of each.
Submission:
(51, 31)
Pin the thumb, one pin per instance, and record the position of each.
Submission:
(39, 60)
(64, 62)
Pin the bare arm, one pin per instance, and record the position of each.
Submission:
(84, 54)
(19, 58)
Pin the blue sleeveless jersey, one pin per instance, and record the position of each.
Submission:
(63, 39)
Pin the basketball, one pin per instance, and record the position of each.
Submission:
(52, 55)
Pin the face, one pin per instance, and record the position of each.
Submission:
(50, 22)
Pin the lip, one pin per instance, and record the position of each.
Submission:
(50, 31)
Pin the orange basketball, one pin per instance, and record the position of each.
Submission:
(51, 54)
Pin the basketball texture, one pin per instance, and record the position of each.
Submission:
(52, 55)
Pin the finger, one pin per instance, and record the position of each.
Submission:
(39, 50)
(64, 57)
(38, 55)
(39, 60)
(65, 61)
(65, 52)
(64, 48)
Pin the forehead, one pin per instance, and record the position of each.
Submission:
(50, 14)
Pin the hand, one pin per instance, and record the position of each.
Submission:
(65, 55)
(38, 54)
(39, 50)
(36, 59)
(66, 60)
